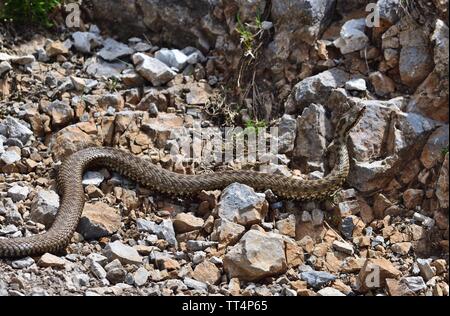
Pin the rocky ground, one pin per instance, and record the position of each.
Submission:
(68, 89)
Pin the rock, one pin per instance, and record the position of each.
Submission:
(207, 272)
(85, 41)
(71, 139)
(287, 132)
(398, 288)
(141, 276)
(401, 248)
(49, 260)
(256, 256)
(375, 272)
(352, 37)
(114, 100)
(98, 220)
(184, 222)
(12, 128)
(172, 58)
(196, 245)
(412, 198)
(93, 178)
(164, 230)
(113, 49)
(22, 263)
(240, 204)
(152, 69)
(23, 60)
(442, 184)
(227, 232)
(329, 291)
(343, 247)
(4, 67)
(317, 279)
(99, 68)
(199, 93)
(432, 151)
(18, 193)
(311, 132)
(317, 89)
(97, 270)
(56, 48)
(382, 84)
(356, 85)
(116, 275)
(44, 207)
(416, 59)
(195, 285)
(426, 270)
(287, 226)
(61, 113)
(414, 283)
(10, 157)
(125, 254)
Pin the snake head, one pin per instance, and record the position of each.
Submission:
(349, 120)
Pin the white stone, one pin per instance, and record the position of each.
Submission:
(152, 69)
(356, 84)
(125, 254)
(18, 193)
(352, 37)
(172, 58)
(93, 177)
(329, 291)
(113, 49)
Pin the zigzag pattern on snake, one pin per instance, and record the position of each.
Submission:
(149, 175)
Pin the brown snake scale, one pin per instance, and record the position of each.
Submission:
(151, 176)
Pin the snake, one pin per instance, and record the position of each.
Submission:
(154, 177)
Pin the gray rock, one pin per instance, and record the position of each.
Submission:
(80, 280)
(287, 132)
(164, 230)
(141, 276)
(317, 279)
(10, 157)
(85, 41)
(97, 270)
(113, 49)
(93, 177)
(22, 263)
(426, 270)
(125, 254)
(256, 256)
(329, 291)
(352, 37)
(240, 204)
(96, 257)
(311, 135)
(18, 193)
(44, 207)
(195, 285)
(388, 10)
(23, 60)
(197, 245)
(172, 58)
(12, 128)
(414, 283)
(8, 229)
(99, 68)
(152, 69)
(4, 67)
(316, 89)
(356, 84)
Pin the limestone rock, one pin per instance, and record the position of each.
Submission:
(256, 256)
(240, 204)
(98, 220)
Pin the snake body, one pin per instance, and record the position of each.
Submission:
(145, 173)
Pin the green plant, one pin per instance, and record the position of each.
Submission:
(112, 84)
(249, 33)
(444, 151)
(28, 11)
(255, 124)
